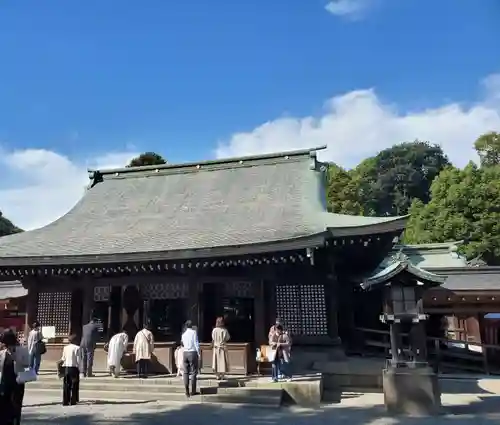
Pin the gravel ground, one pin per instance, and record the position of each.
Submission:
(355, 409)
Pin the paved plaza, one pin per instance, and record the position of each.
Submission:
(354, 409)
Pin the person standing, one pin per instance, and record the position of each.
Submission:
(273, 328)
(143, 350)
(14, 359)
(91, 333)
(36, 346)
(191, 354)
(117, 347)
(281, 343)
(220, 361)
(71, 363)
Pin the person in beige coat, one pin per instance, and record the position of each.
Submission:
(143, 350)
(220, 337)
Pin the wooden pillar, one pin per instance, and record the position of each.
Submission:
(88, 299)
(395, 333)
(193, 302)
(31, 305)
(259, 312)
(76, 313)
(418, 341)
(332, 294)
(131, 304)
(269, 297)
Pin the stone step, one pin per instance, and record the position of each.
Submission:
(304, 390)
(248, 400)
(203, 381)
(150, 387)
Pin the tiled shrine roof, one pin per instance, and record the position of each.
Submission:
(396, 264)
(12, 289)
(234, 206)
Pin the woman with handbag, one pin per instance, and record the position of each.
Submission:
(280, 354)
(36, 346)
(14, 359)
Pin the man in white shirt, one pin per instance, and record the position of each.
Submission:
(71, 363)
(191, 355)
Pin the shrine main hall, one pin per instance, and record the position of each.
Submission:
(249, 239)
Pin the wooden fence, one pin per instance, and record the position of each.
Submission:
(444, 355)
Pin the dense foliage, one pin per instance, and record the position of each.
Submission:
(147, 158)
(465, 204)
(7, 227)
(488, 149)
(446, 203)
(387, 183)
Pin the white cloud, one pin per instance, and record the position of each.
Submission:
(350, 9)
(47, 184)
(358, 124)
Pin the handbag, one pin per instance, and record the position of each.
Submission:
(26, 376)
(41, 347)
(271, 355)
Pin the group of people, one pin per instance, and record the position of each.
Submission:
(78, 357)
(187, 355)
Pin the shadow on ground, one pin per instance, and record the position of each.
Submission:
(484, 411)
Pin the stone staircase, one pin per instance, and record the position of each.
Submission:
(242, 391)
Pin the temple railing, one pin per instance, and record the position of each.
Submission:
(445, 355)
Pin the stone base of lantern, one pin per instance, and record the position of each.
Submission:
(411, 391)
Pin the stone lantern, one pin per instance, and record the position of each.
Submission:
(410, 385)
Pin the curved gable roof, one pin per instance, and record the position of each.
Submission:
(194, 210)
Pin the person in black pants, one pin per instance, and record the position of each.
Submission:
(191, 355)
(13, 359)
(91, 333)
(72, 363)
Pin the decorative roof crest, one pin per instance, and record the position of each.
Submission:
(400, 256)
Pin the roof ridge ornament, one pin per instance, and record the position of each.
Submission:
(401, 257)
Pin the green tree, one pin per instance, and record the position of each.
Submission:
(488, 148)
(386, 183)
(147, 158)
(400, 174)
(464, 206)
(342, 192)
(7, 227)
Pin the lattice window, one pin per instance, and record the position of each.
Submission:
(313, 310)
(101, 293)
(302, 309)
(238, 289)
(164, 291)
(54, 309)
(288, 307)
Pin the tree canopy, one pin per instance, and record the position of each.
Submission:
(488, 149)
(7, 227)
(465, 206)
(446, 203)
(147, 158)
(386, 183)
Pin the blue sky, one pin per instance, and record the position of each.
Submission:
(92, 81)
